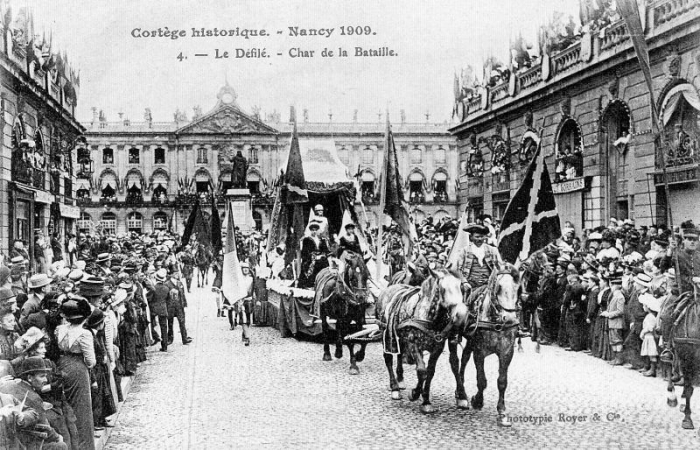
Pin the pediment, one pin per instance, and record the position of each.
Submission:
(227, 120)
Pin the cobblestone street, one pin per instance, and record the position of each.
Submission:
(277, 393)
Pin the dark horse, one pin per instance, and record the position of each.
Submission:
(418, 319)
(492, 329)
(202, 259)
(686, 344)
(343, 296)
(411, 275)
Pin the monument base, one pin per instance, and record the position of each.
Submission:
(241, 208)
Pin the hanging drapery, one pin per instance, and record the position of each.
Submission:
(673, 98)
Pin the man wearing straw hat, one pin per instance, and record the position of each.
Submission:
(157, 303)
(38, 287)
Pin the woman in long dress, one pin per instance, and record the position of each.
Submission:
(77, 357)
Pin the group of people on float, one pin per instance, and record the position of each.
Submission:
(68, 335)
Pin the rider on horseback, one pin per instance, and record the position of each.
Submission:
(689, 264)
(477, 260)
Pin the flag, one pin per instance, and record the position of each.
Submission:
(531, 220)
(232, 281)
(461, 240)
(198, 226)
(215, 226)
(629, 10)
(294, 182)
(392, 192)
(294, 194)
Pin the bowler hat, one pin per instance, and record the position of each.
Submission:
(4, 274)
(97, 317)
(39, 280)
(33, 364)
(6, 294)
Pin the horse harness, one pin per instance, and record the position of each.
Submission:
(684, 305)
(495, 307)
(424, 324)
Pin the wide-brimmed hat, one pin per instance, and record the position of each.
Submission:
(161, 275)
(92, 287)
(96, 318)
(76, 308)
(29, 339)
(119, 296)
(33, 364)
(595, 236)
(17, 260)
(102, 257)
(76, 275)
(643, 279)
(475, 228)
(651, 302)
(6, 294)
(38, 281)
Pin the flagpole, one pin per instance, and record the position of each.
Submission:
(382, 201)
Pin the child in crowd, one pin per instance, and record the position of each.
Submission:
(649, 345)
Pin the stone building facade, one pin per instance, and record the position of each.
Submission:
(590, 106)
(146, 174)
(38, 95)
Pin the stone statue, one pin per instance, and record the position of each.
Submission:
(239, 170)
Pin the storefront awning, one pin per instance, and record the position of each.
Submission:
(685, 90)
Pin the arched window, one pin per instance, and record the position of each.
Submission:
(202, 156)
(416, 155)
(109, 222)
(202, 180)
(368, 186)
(440, 186)
(107, 156)
(367, 156)
(82, 193)
(569, 151)
(159, 156)
(344, 155)
(415, 187)
(134, 156)
(160, 221)
(253, 182)
(84, 222)
(134, 222)
(440, 155)
(253, 152)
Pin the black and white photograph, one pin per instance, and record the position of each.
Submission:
(349, 224)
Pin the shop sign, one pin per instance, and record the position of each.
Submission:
(678, 176)
(44, 197)
(69, 211)
(577, 184)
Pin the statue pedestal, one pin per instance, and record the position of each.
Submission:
(241, 208)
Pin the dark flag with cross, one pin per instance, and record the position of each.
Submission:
(531, 220)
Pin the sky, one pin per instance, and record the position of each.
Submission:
(431, 40)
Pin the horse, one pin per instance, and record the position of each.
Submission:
(202, 259)
(411, 275)
(418, 319)
(685, 336)
(492, 329)
(343, 296)
(533, 272)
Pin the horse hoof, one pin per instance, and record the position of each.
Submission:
(672, 400)
(359, 356)
(477, 404)
(427, 409)
(402, 386)
(462, 403)
(503, 421)
(327, 357)
(338, 354)
(414, 395)
(354, 371)
(396, 395)
(688, 424)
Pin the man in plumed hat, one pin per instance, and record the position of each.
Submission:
(476, 261)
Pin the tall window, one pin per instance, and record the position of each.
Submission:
(440, 155)
(159, 156)
(134, 222)
(84, 222)
(202, 156)
(569, 158)
(107, 156)
(416, 155)
(344, 156)
(160, 221)
(134, 157)
(253, 155)
(109, 222)
(367, 156)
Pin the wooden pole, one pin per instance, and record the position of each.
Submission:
(382, 200)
